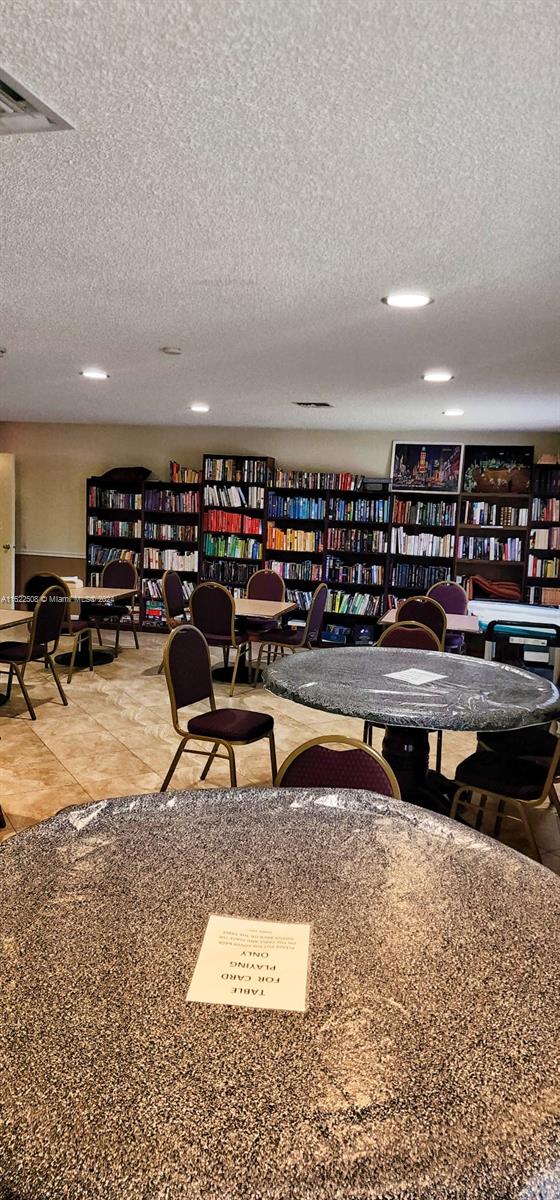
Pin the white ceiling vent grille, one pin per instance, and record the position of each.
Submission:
(21, 112)
(311, 404)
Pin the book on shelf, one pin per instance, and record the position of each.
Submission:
(237, 469)
(99, 527)
(301, 570)
(546, 509)
(152, 589)
(490, 549)
(431, 544)
(549, 596)
(179, 474)
(233, 496)
(338, 571)
(318, 480)
(408, 575)
(99, 555)
(230, 546)
(360, 510)
(480, 512)
(165, 500)
(299, 540)
(169, 533)
(353, 603)
(218, 521)
(424, 512)
(357, 541)
(543, 568)
(100, 497)
(302, 599)
(230, 573)
(546, 480)
(170, 560)
(299, 508)
(545, 539)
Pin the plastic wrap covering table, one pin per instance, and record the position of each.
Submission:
(367, 682)
(425, 1067)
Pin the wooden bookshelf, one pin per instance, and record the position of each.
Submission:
(233, 525)
(422, 542)
(356, 546)
(492, 536)
(542, 579)
(171, 534)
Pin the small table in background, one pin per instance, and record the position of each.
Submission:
(95, 595)
(259, 610)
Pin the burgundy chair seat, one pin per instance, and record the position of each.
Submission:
(235, 724)
(454, 641)
(533, 742)
(220, 639)
(283, 636)
(107, 612)
(485, 771)
(19, 651)
(319, 766)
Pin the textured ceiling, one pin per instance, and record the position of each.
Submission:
(246, 178)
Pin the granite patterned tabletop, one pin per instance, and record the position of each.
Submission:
(426, 1067)
(469, 693)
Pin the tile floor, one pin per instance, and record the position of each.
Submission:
(116, 738)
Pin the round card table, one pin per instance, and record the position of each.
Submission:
(425, 1067)
(382, 685)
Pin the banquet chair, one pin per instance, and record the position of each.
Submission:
(213, 613)
(118, 574)
(524, 784)
(44, 635)
(453, 599)
(78, 628)
(173, 603)
(408, 635)
(314, 764)
(426, 611)
(188, 672)
(264, 585)
(292, 636)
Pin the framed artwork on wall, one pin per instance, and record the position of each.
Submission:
(500, 469)
(426, 467)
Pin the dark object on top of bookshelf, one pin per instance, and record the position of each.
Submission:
(426, 467)
(500, 469)
(126, 474)
(374, 483)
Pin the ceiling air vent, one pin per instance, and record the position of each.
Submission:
(21, 112)
(311, 404)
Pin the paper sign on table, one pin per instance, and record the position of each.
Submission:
(414, 675)
(254, 964)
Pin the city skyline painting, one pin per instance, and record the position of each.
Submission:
(426, 467)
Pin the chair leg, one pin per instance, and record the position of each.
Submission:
(439, 748)
(232, 768)
(54, 674)
(225, 656)
(117, 635)
(210, 760)
(160, 668)
(175, 760)
(25, 693)
(73, 658)
(235, 668)
(273, 763)
(528, 829)
(90, 648)
(9, 683)
(257, 669)
(99, 638)
(135, 635)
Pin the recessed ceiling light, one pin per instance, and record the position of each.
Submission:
(94, 373)
(453, 412)
(171, 350)
(407, 299)
(437, 376)
(199, 407)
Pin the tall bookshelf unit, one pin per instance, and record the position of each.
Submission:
(233, 527)
(492, 537)
(113, 525)
(171, 529)
(357, 536)
(422, 543)
(542, 585)
(295, 536)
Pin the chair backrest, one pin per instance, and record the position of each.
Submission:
(173, 596)
(451, 596)
(38, 584)
(409, 635)
(186, 662)
(314, 764)
(315, 615)
(48, 616)
(427, 612)
(119, 574)
(266, 585)
(213, 610)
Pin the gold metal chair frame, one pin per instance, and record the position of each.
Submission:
(340, 739)
(408, 625)
(133, 593)
(522, 807)
(281, 646)
(215, 742)
(407, 600)
(240, 647)
(78, 636)
(263, 571)
(18, 669)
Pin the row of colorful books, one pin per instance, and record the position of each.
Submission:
(231, 574)
(479, 512)
(109, 498)
(545, 539)
(99, 527)
(337, 571)
(179, 474)
(407, 575)
(99, 555)
(491, 549)
(230, 546)
(543, 568)
(152, 588)
(164, 500)
(360, 510)
(170, 533)
(300, 541)
(237, 470)
(319, 480)
(234, 497)
(218, 521)
(357, 541)
(424, 512)
(543, 595)
(546, 510)
(302, 508)
(430, 544)
(354, 603)
(170, 560)
(303, 570)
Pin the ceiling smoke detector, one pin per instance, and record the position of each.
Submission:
(311, 404)
(22, 112)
